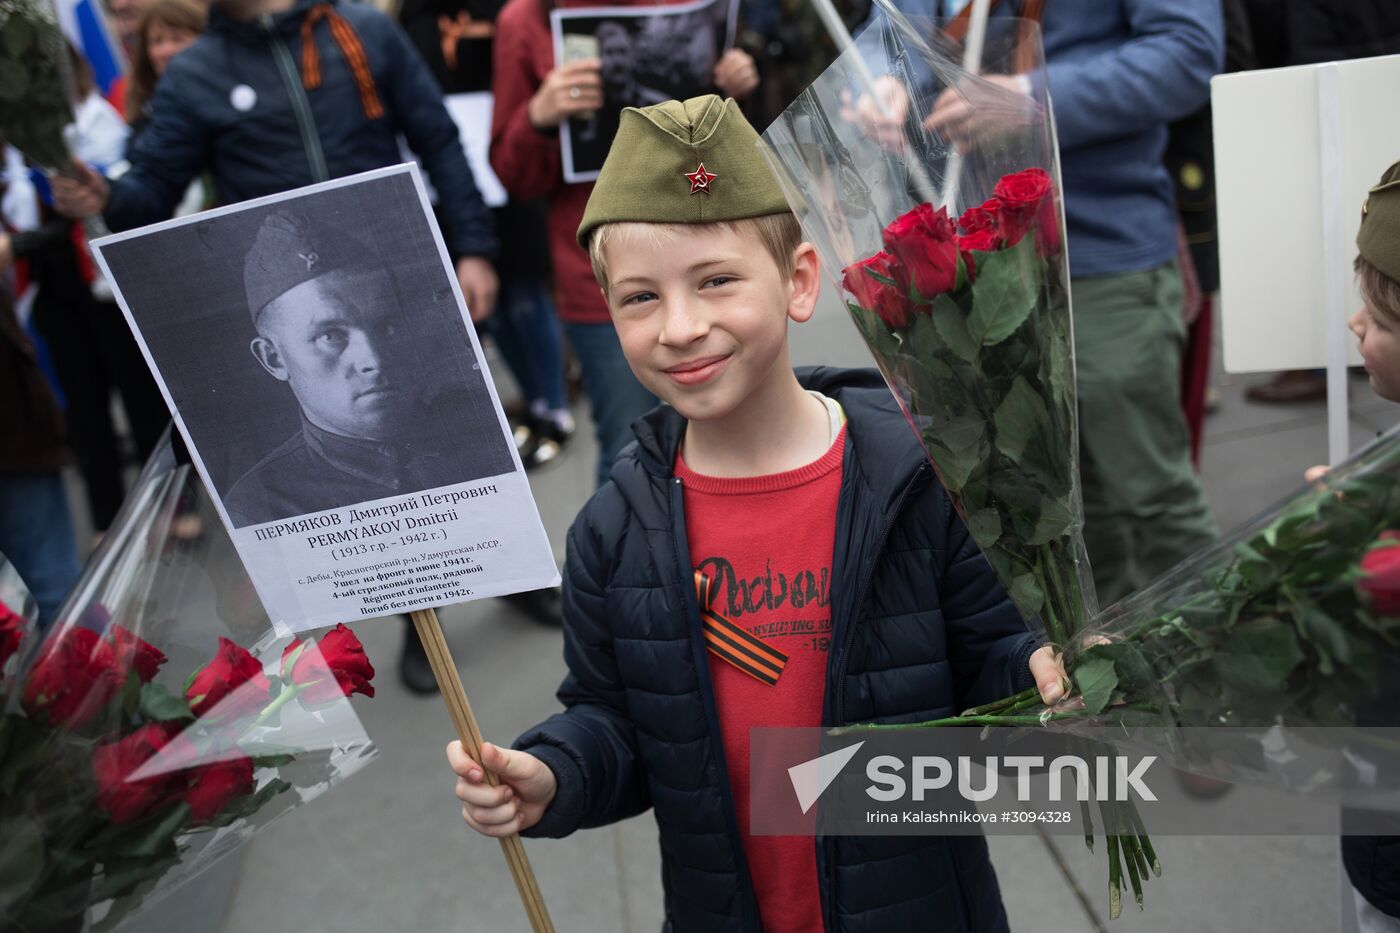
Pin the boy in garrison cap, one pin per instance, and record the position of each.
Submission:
(330, 324)
(1373, 862)
(773, 551)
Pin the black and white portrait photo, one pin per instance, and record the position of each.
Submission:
(646, 55)
(315, 351)
(318, 357)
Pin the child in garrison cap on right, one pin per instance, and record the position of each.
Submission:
(798, 510)
(1373, 862)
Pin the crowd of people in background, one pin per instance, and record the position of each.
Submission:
(246, 98)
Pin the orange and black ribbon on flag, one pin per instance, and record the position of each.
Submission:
(730, 643)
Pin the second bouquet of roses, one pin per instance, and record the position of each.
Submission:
(158, 723)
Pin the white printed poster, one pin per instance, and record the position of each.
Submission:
(318, 358)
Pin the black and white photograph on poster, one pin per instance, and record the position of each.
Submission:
(647, 55)
(319, 361)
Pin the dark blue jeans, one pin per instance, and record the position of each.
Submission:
(36, 534)
(615, 396)
(527, 333)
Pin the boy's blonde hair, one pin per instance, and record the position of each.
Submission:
(780, 235)
(1380, 292)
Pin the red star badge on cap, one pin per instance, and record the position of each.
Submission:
(700, 180)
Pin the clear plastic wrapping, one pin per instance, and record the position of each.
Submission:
(929, 184)
(1293, 619)
(158, 723)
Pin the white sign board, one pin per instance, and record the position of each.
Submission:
(1274, 181)
(321, 366)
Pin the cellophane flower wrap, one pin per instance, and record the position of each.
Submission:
(1293, 620)
(947, 244)
(159, 722)
(35, 102)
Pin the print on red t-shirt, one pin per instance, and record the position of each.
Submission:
(766, 542)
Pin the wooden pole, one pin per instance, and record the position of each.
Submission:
(455, 696)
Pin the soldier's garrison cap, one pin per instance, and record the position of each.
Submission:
(289, 250)
(683, 162)
(1379, 237)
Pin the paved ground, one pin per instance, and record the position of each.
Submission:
(388, 851)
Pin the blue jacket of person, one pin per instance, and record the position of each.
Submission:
(921, 628)
(241, 105)
(1118, 72)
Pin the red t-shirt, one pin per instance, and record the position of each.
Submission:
(766, 542)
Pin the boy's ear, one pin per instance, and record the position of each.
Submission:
(805, 285)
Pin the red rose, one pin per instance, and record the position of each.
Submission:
(76, 675)
(232, 673)
(979, 219)
(135, 653)
(984, 241)
(923, 242)
(885, 300)
(1027, 202)
(1380, 575)
(339, 668)
(214, 787)
(12, 629)
(124, 797)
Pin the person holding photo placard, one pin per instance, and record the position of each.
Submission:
(534, 96)
(279, 94)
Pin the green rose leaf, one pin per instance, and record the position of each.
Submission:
(1097, 678)
(161, 705)
(156, 833)
(1026, 594)
(985, 527)
(1055, 521)
(21, 858)
(951, 328)
(1259, 655)
(1019, 416)
(1008, 284)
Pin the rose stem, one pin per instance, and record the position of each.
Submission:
(1144, 841)
(968, 721)
(1115, 871)
(1087, 813)
(997, 706)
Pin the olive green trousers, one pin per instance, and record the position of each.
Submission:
(1144, 506)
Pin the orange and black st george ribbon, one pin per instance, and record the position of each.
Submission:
(730, 643)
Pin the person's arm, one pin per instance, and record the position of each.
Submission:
(989, 647)
(1160, 74)
(525, 159)
(592, 746)
(54, 231)
(416, 106)
(167, 156)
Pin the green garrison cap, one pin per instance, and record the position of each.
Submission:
(1379, 237)
(289, 250)
(687, 162)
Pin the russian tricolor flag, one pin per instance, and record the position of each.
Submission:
(85, 25)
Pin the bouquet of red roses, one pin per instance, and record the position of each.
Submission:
(150, 730)
(949, 245)
(969, 320)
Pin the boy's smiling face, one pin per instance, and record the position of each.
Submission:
(1379, 343)
(702, 313)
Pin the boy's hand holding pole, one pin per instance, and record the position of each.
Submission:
(515, 804)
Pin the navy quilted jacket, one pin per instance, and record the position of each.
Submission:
(921, 629)
(234, 105)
